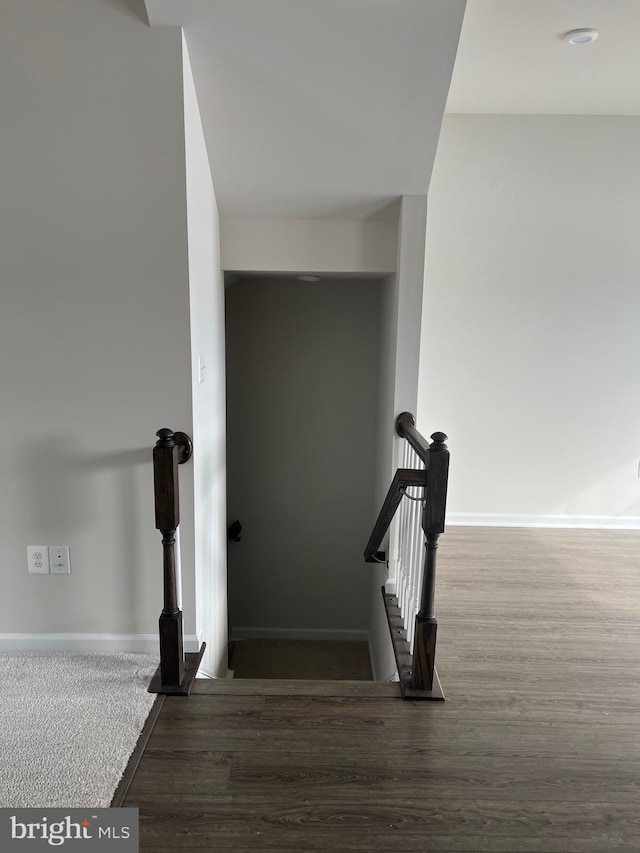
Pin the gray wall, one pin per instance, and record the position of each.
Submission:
(531, 316)
(302, 399)
(94, 310)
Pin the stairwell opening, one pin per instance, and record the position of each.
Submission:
(302, 396)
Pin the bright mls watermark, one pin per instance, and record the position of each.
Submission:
(69, 829)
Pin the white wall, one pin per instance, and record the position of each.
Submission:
(410, 285)
(206, 288)
(302, 388)
(94, 311)
(319, 245)
(398, 360)
(531, 317)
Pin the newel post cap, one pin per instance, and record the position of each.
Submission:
(165, 438)
(438, 439)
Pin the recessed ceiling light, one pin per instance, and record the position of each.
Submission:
(581, 36)
(308, 277)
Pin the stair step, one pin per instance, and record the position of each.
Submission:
(294, 687)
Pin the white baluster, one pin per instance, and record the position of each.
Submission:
(415, 534)
(404, 539)
(412, 513)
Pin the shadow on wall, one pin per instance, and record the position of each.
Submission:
(66, 492)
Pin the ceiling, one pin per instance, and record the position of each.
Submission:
(512, 58)
(332, 108)
(318, 108)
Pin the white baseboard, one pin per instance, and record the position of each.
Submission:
(190, 643)
(595, 522)
(337, 634)
(88, 643)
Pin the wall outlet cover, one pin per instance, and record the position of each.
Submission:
(38, 559)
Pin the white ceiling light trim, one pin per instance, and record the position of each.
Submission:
(584, 35)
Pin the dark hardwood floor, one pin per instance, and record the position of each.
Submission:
(536, 749)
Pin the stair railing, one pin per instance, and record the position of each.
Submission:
(420, 490)
(409, 562)
(177, 671)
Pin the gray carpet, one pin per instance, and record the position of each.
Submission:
(68, 724)
(307, 659)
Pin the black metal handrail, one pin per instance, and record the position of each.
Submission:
(404, 478)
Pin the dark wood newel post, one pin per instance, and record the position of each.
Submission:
(169, 571)
(165, 476)
(427, 597)
(426, 627)
(174, 674)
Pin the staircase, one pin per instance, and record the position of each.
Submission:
(409, 601)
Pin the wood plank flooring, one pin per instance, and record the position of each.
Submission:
(536, 750)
